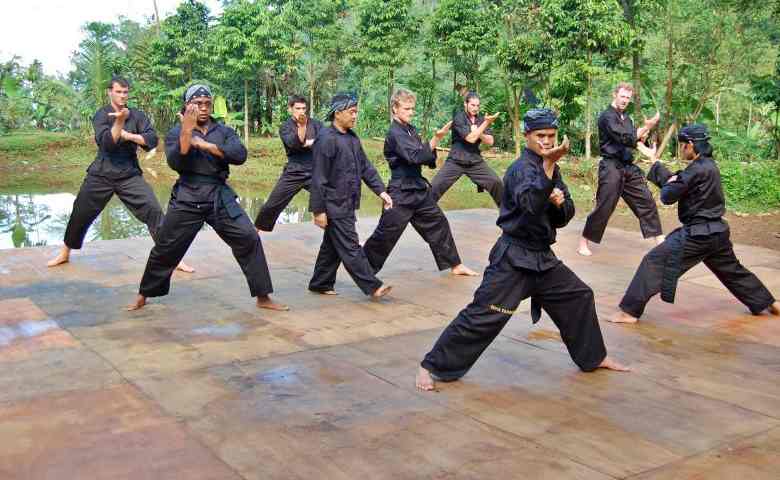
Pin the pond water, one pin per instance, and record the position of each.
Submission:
(39, 219)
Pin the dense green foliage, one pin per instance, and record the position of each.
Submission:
(714, 61)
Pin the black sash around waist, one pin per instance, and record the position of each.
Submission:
(226, 197)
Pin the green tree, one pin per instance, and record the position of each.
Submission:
(385, 29)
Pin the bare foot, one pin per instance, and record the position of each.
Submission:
(63, 257)
(324, 292)
(184, 267)
(774, 309)
(266, 302)
(622, 317)
(611, 364)
(139, 303)
(659, 239)
(424, 381)
(381, 292)
(464, 271)
(584, 250)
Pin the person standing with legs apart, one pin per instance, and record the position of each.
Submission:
(119, 131)
(618, 176)
(412, 198)
(340, 165)
(469, 131)
(704, 236)
(202, 150)
(536, 203)
(298, 135)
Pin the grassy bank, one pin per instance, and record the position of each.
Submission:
(43, 162)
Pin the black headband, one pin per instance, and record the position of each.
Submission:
(696, 132)
(197, 90)
(340, 102)
(539, 118)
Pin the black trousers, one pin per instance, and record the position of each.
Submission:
(427, 218)
(340, 244)
(94, 194)
(566, 298)
(180, 226)
(294, 178)
(627, 181)
(717, 253)
(480, 173)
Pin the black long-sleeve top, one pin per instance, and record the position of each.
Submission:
(527, 217)
(117, 160)
(698, 190)
(199, 162)
(617, 135)
(462, 152)
(296, 151)
(201, 173)
(340, 164)
(406, 153)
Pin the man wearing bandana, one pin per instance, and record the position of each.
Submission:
(340, 165)
(412, 198)
(618, 176)
(704, 236)
(298, 135)
(202, 150)
(536, 203)
(119, 131)
(469, 131)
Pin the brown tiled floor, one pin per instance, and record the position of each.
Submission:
(201, 385)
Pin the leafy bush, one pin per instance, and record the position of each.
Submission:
(751, 186)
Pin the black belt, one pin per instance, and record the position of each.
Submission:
(226, 197)
(673, 265)
(405, 171)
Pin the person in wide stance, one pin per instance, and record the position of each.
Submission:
(536, 203)
(704, 236)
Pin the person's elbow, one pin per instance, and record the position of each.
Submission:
(668, 197)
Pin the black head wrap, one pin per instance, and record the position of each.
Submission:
(693, 133)
(539, 118)
(197, 90)
(340, 102)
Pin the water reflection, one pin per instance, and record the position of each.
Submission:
(38, 219)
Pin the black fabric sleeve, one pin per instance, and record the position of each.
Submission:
(658, 174)
(233, 150)
(173, 149)
(614, 130)
(102, 124)
(561, 216)
(146, 130)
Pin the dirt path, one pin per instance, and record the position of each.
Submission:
(761, 230)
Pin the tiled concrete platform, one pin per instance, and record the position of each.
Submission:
(201, 385)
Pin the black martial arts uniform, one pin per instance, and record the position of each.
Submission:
(704, 237)
(619, 177)
(340, 164)
(201, 194)
(412, 201)
(465, 159)
(296, 174)
(522, 265)
(115, 170)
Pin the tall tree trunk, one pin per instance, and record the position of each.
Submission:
(637, 67)
(588, 119)
(390, 86)
(157, 17)
(514, 94)
(429, 100)
(311, 88)
(669, 68)
(246, 112)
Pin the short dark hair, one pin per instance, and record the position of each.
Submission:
(122, 81)
(470, 95)
(296, 99)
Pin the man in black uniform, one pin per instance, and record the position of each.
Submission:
(412, 198)
(469, 131)
(202, 150)
(704, 236)
(119, 131)
(536, 202)
(618, 176)
(298, 134)
(340, 164)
